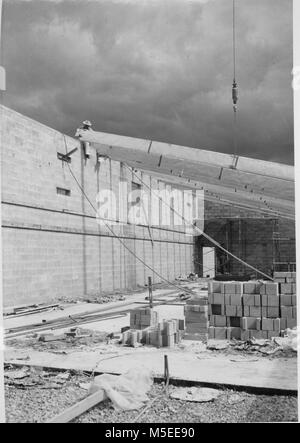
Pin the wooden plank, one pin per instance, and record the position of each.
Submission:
(79, 408)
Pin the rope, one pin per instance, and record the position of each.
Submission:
(234, 39)
(122, 243)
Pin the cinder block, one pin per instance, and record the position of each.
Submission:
(236, 300)
(267, 324)
(264, 300)
(294, 300)
(257, 300)
(271, 288)
(227, 299)
(286, 288)
(286, 300)
(249, 323)
(246, 311)
(286, 311)
(239, 311)
(250, 288)
(230, 311)
(216, 287)
(218, 321)
(229, 288)
(234, 322)
(255, 311)
(234, 333)
(273, 301)
(217, 309)
(295, 313)
(278, 274)
(218, 299)
(249, 300)
(220, 333)
(272, 312)
(211, 332)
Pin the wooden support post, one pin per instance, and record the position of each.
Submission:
(150, 292)
(80, 408)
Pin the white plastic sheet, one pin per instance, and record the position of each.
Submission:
(289, 341)
(127, 392)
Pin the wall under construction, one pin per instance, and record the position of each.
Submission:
(263, 241)
(52, 245)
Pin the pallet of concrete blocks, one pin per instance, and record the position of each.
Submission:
(164, 334)
(143, 318)
(196, 318)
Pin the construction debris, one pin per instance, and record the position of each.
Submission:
(127, 392)
(196, 395)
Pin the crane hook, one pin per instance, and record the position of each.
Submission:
(235, 95)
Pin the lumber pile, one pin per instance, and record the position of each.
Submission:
(196, 318)
(255, 309)
(145, 329)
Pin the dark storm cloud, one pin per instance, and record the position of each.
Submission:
(155, 69)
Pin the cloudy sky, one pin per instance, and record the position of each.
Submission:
(155, 69)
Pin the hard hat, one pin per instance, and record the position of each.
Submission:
(87, 123)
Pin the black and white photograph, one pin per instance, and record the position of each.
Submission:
(149, 218)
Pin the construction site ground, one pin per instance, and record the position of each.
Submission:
(257, 381)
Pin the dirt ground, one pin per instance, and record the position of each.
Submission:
(40, 396)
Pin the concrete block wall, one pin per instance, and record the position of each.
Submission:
(52, 245)
(248, 235)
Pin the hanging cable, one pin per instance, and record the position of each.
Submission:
(181, 289)
(187, 223)
(234, 85)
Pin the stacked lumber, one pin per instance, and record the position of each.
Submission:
(254, 309)
(196, 318)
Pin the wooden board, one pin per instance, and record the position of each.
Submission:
(80, 408)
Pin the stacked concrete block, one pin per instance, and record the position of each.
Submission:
(163, 334)
(143, 318)
(255, 309)
(288, 298)
(225, 310)
(196, 318)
